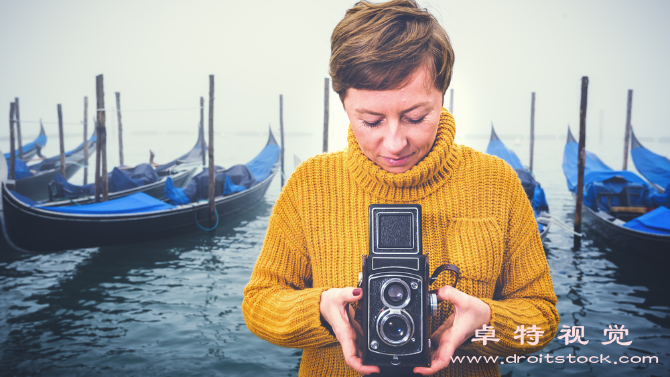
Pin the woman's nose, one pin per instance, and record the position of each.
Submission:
(395, 141)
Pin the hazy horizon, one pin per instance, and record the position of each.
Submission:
(158, 55)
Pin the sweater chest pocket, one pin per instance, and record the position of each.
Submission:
(475, 246)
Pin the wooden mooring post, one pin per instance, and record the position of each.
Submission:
(101, 183)
(85, 140)
(532, 129)
(118, 116)
(451, 102)
(281, 135)
(202, 131)
(211, 186)
(326, 104)
(61, 142)
(581, 163)
(627, 137)
(12, 147)
(17, 116)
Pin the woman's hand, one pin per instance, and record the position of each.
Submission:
(336, 311)
(470, 314)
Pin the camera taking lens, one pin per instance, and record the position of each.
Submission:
(395, 327)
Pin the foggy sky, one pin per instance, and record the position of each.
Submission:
(159, 54)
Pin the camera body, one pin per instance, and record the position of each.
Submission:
(395, 279)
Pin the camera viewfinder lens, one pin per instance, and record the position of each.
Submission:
(396, 293)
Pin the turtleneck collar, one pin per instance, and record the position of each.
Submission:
(420, 181)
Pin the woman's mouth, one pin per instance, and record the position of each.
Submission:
(397, 161)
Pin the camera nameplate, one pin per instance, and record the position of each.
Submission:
(379, 263)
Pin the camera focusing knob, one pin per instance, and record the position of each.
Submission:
(360, 279)
(430, 345)
(433, 303)
(374, 344)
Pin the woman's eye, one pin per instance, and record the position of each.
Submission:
(416, 121)
(371, 124)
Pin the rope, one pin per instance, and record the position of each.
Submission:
(116, 110)
(137, 110)
(555, 220)
(73, 163)
(203, 228)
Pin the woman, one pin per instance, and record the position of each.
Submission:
(391, 64)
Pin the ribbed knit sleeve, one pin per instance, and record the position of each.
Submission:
(280, 304)
(524, 293)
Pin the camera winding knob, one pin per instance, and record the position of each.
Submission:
(432, 298)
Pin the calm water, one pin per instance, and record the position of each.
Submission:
(173, 307)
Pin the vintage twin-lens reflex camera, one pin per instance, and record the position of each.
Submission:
(396, 304)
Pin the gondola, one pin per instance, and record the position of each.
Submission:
(620, 205)
(533, 189)
(33, 148)
(34, 184)
(133, 218)
(655, 168)
(179, 170)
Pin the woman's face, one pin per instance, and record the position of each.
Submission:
(396, 128)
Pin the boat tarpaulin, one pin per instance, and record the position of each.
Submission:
(261, 165)
(570, 161)
(533, 189)
(118, 180)
(615, 188)
(654, 167)
(176, 194)
(21, 170)
(656, 221)
(227, 181)
(39, 142)
(497, 148)
(135, 203)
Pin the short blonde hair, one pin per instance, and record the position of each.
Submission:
(378, 46)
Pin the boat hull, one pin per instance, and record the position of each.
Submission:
(651, 245)
(59, 231)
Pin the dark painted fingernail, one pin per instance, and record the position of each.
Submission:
(357, 291)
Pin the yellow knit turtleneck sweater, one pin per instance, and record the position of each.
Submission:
(475, 215)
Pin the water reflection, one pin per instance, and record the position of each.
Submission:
(171, 305)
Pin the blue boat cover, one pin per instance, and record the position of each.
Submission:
(21, 170)
(118, 180)
(176, 194)
(616, 187)
(570, 161)
(656, 221)
(226, 182)
(237, 178)
(261, 165)
(135, 203)
(497, 148)
(654, 167)
(39, 142)
(533, 189)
